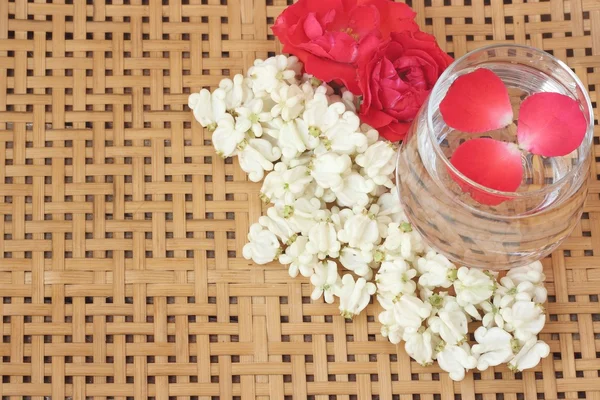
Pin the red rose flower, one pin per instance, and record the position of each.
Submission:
(397, 79)
(329, 36)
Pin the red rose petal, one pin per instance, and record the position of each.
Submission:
(477, 102)
(327, 71)
(363, 19)
(312, 26)
(490, 163)
(395, 131)
(393, 16)
(550, 124)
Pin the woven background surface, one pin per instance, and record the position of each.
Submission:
(121, 232)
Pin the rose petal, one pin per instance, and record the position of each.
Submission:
(490, 163)
(342, 48)
(550, 124)
(395, 131)
(367, 49)
(375, 118)
(395, 17)
(363, 19)
(477, 102)
(312, 27)
(327, 71)
(425, 42)
(319, 7)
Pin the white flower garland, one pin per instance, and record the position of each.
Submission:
(329, 180)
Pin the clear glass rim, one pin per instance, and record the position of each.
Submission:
(584, 146)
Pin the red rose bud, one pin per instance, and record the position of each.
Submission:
(330, 36)
(396, 80)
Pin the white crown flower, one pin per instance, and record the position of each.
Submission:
(272, 128)
(293, 139)
(289, 102)
(273, 185)
(436, 299)
(348, 143)
(328, 170)
(529, 355)
(296, 179)
(354, 296)
(382, 218)
(340, 215)
(228, 135)
(360, 231)
(322, 238)
(357, 261)
(325, 280)
(410, 312)
(304, 159)
(456, 360)
(378, 162)
(354, 190)
(257, 156)
(390, 328)
(311, 191)
(278, 225)
(525, 319)
(494, 347)
(237, 92)
(492, 315)
(267, 76)
(436, 271)
(300, 213)
(253, 112)
(262, 247)
(284, 180)
(396, 277)
(473, 286)
(309, 90)
(402, 241)
(343, 136)
(511, 292)
(533, 273)
(320, 116)
(208, 108)
(298, 259)
(389, 205)
(450, 323)
(420, 345)
(393, 238)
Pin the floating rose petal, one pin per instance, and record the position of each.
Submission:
(550, 124)
(490, 163)
(477, 102)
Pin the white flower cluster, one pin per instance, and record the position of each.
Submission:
(434, 323)
(329, 181)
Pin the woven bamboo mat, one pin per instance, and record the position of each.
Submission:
(121, 232)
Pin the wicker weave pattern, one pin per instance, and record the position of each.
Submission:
(121, 232)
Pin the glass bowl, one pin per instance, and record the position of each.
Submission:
(530, 222)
